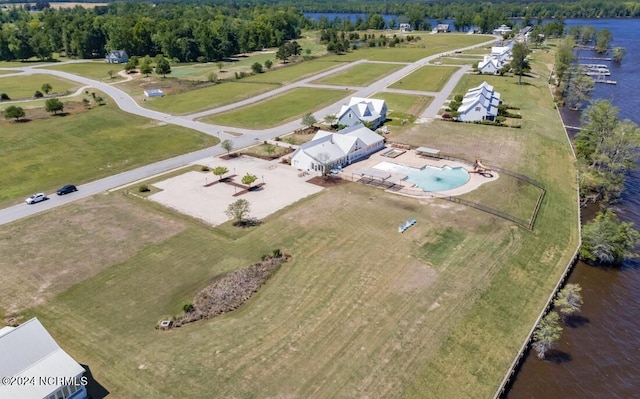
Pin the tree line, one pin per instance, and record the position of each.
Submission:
(185, 33)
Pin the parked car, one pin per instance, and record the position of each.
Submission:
(36, 198)
(69, 188)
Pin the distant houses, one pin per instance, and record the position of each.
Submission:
(497, 59)
(117, 57)
(29, 354)
(479, 104)
(328, 150)
(405, 27)
(370, 111)
(501, 30)
(441, 28)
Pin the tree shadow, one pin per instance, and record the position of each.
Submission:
(557, 356)
(575, 321)
(94, 389)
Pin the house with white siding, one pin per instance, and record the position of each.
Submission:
(117, 57)
(479, 104)
(328, 149)
(363, 110)
(490, 65)
(30, 355)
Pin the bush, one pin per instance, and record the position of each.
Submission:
(277, 138)
(277, 253)
(143, 188)
(204, 168)
(4, 97)
(38, 94)
(188, 308)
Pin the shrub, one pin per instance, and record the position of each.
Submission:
(458, 98)
(277, 253)
(201, 59)
(264, 257)
(204, 168)
(38, 94)
(143, 188)
(277, 138)
(4, 97)
(188, 308)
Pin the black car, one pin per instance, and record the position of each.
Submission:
(69, 188)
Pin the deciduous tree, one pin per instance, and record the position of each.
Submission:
(309, 120)
(54, 105)
(519, 62)
(569, 300)
(220, 171)
(249, 179)
(605, 240)
(238, 210)
(13, 111)
(46, 87)
(546, 334)
(163, 67)
(256, 67)
(227, 145)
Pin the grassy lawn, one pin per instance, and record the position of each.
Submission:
(6, 72)
(297, 139)
(261, 150)
(98, 70)
(457, 61)
(359, 311)
(410, 52)
(280, 109)
(21, 87)
(402, 106)
(187, 102)
(286, 74)
(428, 78)
(43, 155)
(360, 75)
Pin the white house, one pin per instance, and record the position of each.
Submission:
(490, 65)
(405, 27)
(328, 149)
(479, 104)
(441, 28)
(117, 57)
(501, 30)
(30, 355)
(361, 110)
(501, 53)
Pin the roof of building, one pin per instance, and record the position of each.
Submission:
(29, 351)
(333, 146)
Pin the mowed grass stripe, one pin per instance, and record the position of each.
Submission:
(285, 74)
(24, 86)
(280, 109)
(428, 78)
(206, 98)
(360, 75)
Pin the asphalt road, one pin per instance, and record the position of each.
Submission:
(248, 136)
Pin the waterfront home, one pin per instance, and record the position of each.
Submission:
(503, 29)
(405, 27)
(331, 149)
(490, 65)
(117, 57)
(479, 104)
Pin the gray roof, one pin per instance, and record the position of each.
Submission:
(29, 351)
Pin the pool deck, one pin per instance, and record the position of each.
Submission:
(410, 158)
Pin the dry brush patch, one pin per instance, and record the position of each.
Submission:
(230, 291)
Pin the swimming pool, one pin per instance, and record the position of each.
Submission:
(429, 178)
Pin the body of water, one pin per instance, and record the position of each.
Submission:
(597, 354)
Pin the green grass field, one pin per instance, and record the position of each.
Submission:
(7, 71)
(428, 78)
(402, 106)
(43, 155)
(209, 97)
(360, 75)
(22, 87)
(410, 52)
(360, 310)
(98, 70)
(280, 109)
(291, 73)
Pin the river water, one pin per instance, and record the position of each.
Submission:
(597, 356)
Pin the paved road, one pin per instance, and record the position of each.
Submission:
(247, 137)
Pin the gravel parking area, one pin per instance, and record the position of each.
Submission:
(189, 193)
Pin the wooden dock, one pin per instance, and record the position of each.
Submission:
(596, 58)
